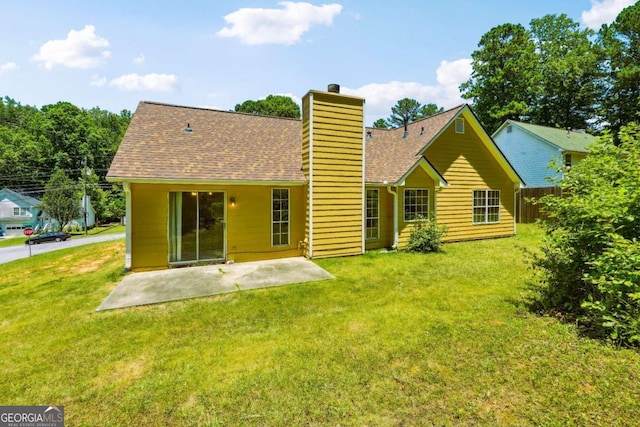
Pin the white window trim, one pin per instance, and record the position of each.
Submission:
(459, 125)
(21, 211)
(377, 217)
(486, 207)
(404, 203)
(288, 221)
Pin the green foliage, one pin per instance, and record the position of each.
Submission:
(380, 124)
(407, 110)
(589, 260)
(504, 70)
(426, 236)
(568, 72)
(61, 200)
(34, 142)
(549, 74)
(621, 43)
(272, 105)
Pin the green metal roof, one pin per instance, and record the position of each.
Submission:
(576, 141)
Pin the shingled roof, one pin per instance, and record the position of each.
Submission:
(229, 146)
(568, 140)
(222, 146)
(390, 154)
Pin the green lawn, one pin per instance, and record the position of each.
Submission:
(395, 339)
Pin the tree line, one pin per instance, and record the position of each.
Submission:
(61, 145)
(556, 74)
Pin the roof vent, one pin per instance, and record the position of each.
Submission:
(422, 131)
(406, 134)
(334, 88)
(369, 135)
(188, 129)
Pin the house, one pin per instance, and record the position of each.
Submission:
(211, 186)
(531, 149)
(17, 212)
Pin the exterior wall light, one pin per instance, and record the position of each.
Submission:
(232, 200)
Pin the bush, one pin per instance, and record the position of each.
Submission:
(590, 257)
(426, 236)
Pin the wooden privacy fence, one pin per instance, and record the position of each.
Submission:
(527, 211)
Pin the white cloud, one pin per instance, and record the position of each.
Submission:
(256, 26)
(9, 66)
(152, 82)
(140, 59)
(380, 97)
(603, 12)
(81, 49)
(98, 81)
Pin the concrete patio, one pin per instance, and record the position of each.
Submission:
(174, 284)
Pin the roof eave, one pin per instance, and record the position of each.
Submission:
(221, 182)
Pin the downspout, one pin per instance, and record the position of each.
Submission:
(127, 219)
(310, 247)
(395, 216)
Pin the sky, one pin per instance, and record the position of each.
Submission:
(219, 53)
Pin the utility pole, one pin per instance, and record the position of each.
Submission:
(84, 192)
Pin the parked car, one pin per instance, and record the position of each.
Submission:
(50, 236)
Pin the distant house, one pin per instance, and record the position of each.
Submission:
(211, 186)
(532, 148)
(17, 212)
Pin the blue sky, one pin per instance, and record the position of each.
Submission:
(113, 54)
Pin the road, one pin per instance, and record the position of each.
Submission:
(13, 253)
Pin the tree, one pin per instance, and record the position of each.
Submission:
(621, 44)
(404, 112)
(429, 110)
(380, 124)
(503, 76)
(61, 200)
(568, 73)
(589, 259)
(272, 105)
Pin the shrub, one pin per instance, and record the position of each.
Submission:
(590, 257)
(426, 236)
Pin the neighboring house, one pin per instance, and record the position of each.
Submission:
(17, 212)
(532, 148)
(211, 186)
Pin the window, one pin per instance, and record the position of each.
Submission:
(416, 203)
(460, 125)
(567, 160)
(509, 128)
(280, 217)
(19, 211)
(486, 206)
(373, 214)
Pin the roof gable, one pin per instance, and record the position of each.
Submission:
(390, 154)
(574, 141)
(21, 200)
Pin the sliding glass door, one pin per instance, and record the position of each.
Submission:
(196, 226)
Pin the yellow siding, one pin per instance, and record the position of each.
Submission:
(332, 147)
(248, 230)
(418, 179)
(149, 227)
(467, 165)
(385, 216)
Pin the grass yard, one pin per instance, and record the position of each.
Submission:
(396, 339)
